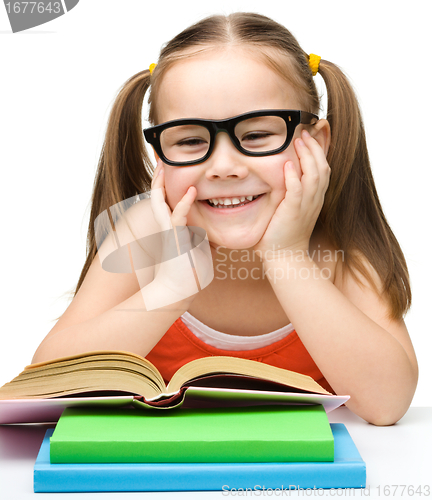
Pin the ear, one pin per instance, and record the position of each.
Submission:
(322, 134)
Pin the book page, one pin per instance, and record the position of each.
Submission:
(240, 366)
(93, 371)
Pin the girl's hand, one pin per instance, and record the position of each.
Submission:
(162, 212)
(184, 267)
(292, 224)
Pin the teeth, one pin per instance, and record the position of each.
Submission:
(231, 201)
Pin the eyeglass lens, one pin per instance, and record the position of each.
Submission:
(184, 143)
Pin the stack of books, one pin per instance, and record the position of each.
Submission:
(216, 449)
(222, 423)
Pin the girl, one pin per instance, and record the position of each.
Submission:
(308, 275)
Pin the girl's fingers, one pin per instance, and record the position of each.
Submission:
(161, 210)
(293, 185)
(179, 220)
(317, 152)
(159, 206)
(173, 225)
(179, 216)
(307, 162)
(158, 181)
(314, 166)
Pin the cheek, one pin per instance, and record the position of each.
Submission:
(279, 181)
(176, 185)
(276, 170)
(291, 155)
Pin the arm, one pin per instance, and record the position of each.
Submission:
(108, 313)
(344, 326)
(111, 311)
(347, 332)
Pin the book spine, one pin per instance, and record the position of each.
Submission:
(202, 477)
(348, 471)
(63, 451)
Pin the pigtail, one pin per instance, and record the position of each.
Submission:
(352, 214)
(124, 168)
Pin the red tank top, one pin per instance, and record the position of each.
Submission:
(179, 346)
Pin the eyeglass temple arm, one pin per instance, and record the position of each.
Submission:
(308, 118)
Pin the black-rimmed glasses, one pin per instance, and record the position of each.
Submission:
(186, 142)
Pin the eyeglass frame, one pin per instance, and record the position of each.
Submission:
(292, 118)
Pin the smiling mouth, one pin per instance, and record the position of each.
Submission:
(234, 202)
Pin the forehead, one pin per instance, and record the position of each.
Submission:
(217, 84)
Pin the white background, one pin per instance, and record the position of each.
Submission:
(58, 81)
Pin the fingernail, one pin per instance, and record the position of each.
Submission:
(300, 142)
(306, 133)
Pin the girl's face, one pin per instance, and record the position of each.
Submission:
(218, 85)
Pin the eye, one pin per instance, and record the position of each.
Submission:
(262, 133)
(254, 136)
(185, 137)
(191, 141)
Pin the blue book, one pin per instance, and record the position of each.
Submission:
(347, 471)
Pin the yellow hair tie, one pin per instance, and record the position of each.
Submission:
(314, 62)
(151, 68)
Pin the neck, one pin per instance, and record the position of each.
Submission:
(241, 266)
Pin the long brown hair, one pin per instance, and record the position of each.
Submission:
(351, 217)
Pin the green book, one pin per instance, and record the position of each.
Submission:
(190, 435)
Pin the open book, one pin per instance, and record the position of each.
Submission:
(117, 377)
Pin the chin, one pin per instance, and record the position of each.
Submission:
(234, 242)
(236, 237)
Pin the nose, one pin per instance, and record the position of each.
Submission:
(225, 161)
